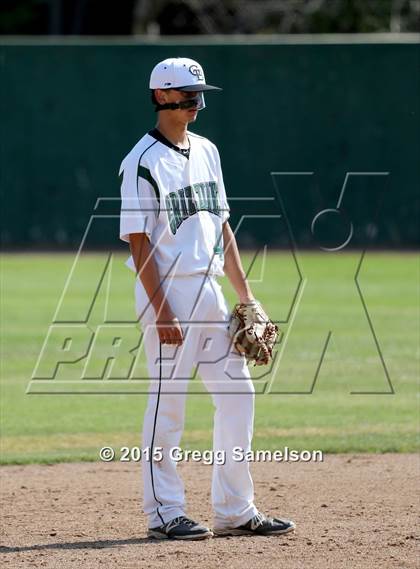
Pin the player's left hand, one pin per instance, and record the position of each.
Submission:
(253, 333)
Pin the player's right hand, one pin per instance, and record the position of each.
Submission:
(169, 328)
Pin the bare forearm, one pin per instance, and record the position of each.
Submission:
(233, 266)
(147, 270)
(168, 326)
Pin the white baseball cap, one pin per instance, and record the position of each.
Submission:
(179, 73)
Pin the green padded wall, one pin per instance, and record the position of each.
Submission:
(70, 112)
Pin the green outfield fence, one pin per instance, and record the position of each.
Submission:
(71, 109)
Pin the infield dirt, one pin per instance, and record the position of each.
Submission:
(351, 511)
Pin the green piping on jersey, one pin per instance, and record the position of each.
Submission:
(218, 250)
(144, 173)
(185, 202)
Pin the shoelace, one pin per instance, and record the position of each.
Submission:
(187, 521)
(258, 520)
(179, 520)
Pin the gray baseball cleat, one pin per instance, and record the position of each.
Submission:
(180, 528)
(260, 524)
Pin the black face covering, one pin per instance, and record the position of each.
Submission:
(195, 102)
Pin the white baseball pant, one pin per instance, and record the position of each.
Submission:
(199, 304)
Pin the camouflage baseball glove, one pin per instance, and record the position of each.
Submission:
(252, 332)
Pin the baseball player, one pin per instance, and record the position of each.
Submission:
(174, 215)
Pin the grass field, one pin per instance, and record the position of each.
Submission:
(57, 427)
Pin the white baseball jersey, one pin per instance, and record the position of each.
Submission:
(178, 199)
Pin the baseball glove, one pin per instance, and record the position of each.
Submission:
(253, 333)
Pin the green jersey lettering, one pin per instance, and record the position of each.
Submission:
(185, 202)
